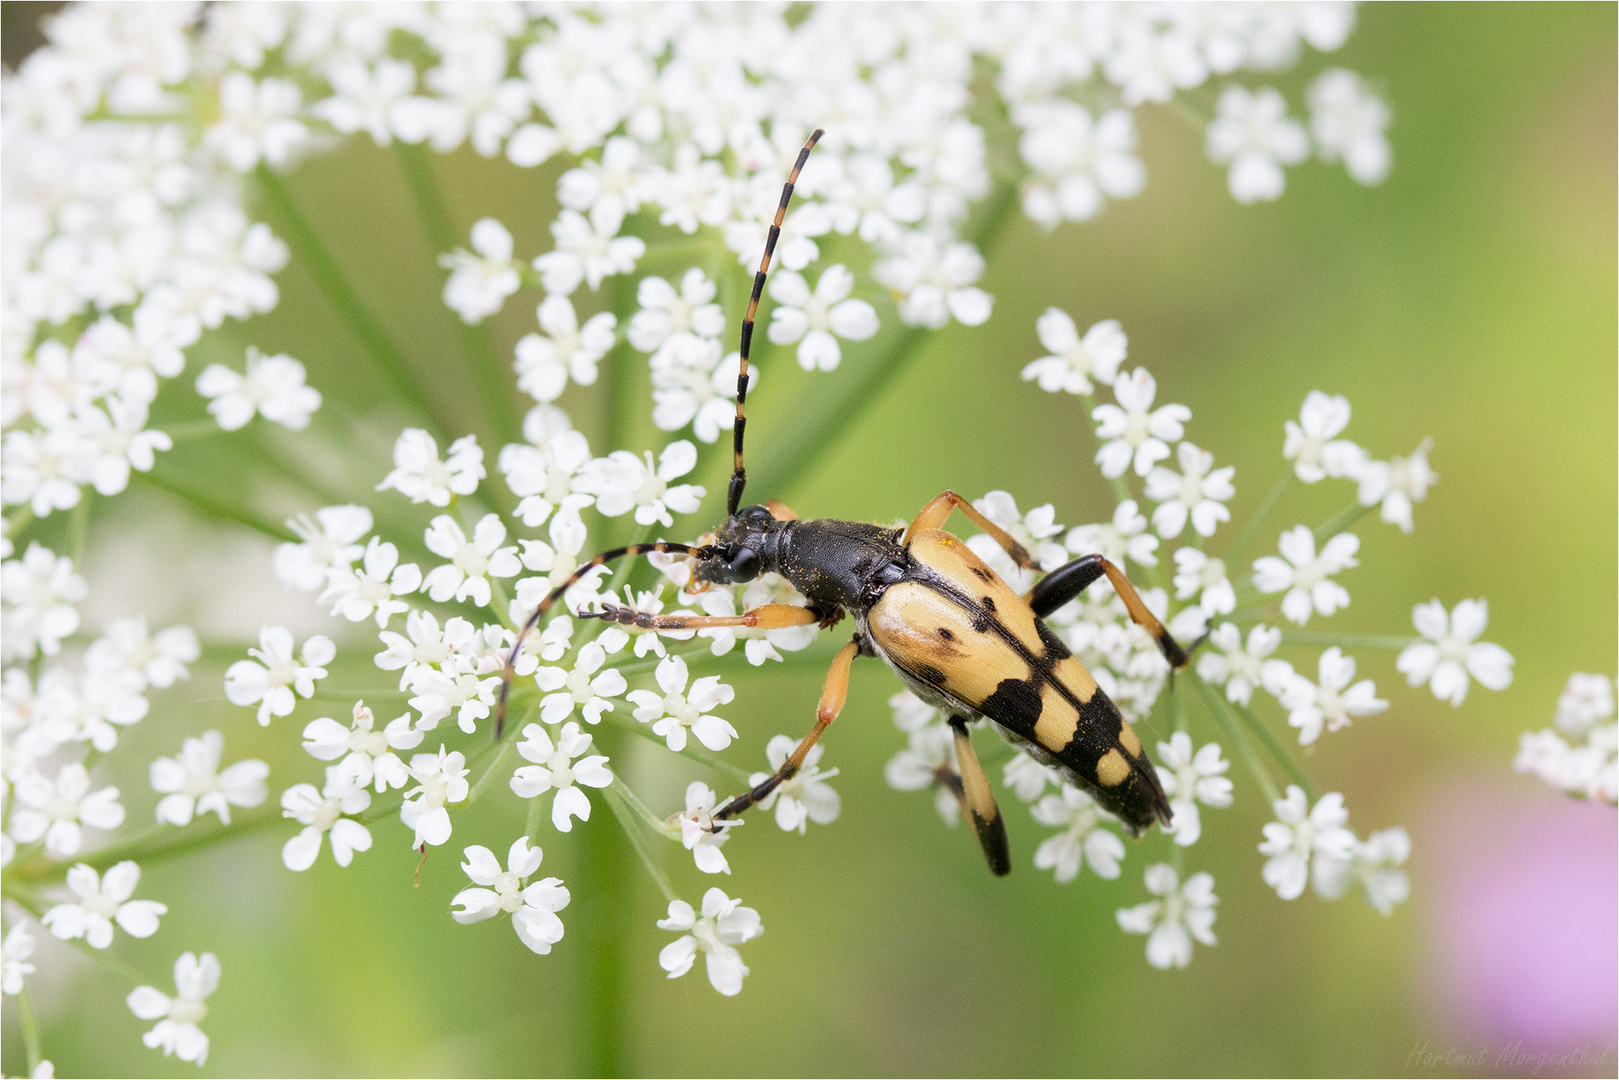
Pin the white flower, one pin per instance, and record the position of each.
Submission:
(816, 319)
(1023, 774)
(556, 770)
(40, 590)
(807, 796)
(697, 386)
(1195, 492)
(676, 710)
(365, 98)
(724, 925)
(1397, 484)
(1133, 430)
(1376, 864)
(1586, 701)
(700, 834)
(759, 645)
(923, 763)
(1125, 535)
(439, 693)
(58, 810)
(1082, 838)
(1074, 361)
(331, 544)
(1451, 651)
(368, 755)
(545, 477)
(159, 659)
(273, 388)
(580, 688)
(441, 779)
(1311, 706)
(357, 594)
(1310, 445)
(472, 563)
(479, 284)
(1240, 668)
(14, 953)
(936, 282)
(911, 713)
(565, 351)
(622, 482)
(1183, 913)
(256, 121)
(1076, 160)
(668, 320)
(192, 784)
(557, 563)
(1307, 578)
(1189, 779)
(587, 251)
(1196, 572)
(426, 647)
(1348, 122)
(1300, 834)
(101, 902)
(110, 442)
(1033, 530)
(1253, 133)
(322, 812)
(419, 475)
(271, 682)
(177, 1031)
(533, 907)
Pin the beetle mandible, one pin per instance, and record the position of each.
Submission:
(952, 630)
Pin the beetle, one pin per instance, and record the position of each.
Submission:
(952, 630)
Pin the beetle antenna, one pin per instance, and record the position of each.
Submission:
(510, 670)
(739, 475)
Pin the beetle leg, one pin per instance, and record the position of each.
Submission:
(978, 802)
(765, 617)
(935, 513)
(1069, 580)
(833, 693)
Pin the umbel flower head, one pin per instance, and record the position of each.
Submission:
(139, 139)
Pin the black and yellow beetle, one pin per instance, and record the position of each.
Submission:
(953, 631)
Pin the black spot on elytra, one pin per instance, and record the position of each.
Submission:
(930, 674)
(946, 634)
(1055, 648)
(989, 604)
(1015, 704)
(980, 573)
(980, 622)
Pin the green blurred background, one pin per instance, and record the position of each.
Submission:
(1471, 298)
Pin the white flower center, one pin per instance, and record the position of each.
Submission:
(1306, 576)
(370, 743)
(510, 889)
(198, 784)
(185, 1010)
(578, 685)
(101, 904)
(1136, 428)
(434, 793)
(1191, 489)
(1213, 573)
(561, 770)
(471, 561)
(327, 813)
(59, 809)
(1453, 648)
(707, 934)
(652, 489)
(681, 710)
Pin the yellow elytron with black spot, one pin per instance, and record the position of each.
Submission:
(947, 624)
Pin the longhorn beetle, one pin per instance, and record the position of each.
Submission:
(951, 629)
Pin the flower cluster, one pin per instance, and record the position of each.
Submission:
(135, 139)
(1581, 754)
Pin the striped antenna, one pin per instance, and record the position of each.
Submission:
(739, 475)
(510, 670)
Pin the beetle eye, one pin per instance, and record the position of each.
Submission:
(746, 564)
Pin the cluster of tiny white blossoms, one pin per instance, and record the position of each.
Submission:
(1581, 755)
(135, 138)
(1234, 622)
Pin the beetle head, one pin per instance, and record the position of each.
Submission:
(743, 549)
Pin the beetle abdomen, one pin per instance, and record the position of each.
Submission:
(956, 632)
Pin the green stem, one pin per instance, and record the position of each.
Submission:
(193, 429)
(1353, 641)
(378, 344)
(1276, 749)
(1178, 688)
(30, 1029)
(79, 528)
(695, 752)
(601, 1046)
(1250, 756)
(630, 810)
(142, 850)
(488, 374)
(507, 748)
(215, 507)
(1250, 530)
(1340, 521)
